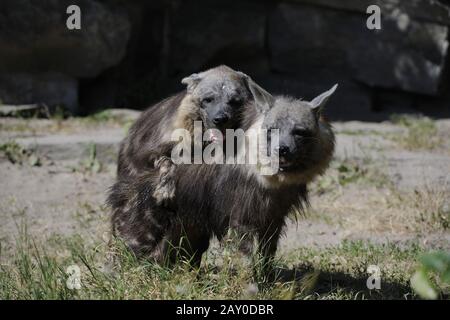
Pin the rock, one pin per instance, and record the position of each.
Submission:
(305, 40)
(404, 54)
(398, 102)
(50, 89)
(353, 101)
(205, 34)
(411, 58)
(427, 10)
(34, 37)
(23, 111)
(437, 107)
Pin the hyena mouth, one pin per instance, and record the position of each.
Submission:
(284, 164)
(214, 137)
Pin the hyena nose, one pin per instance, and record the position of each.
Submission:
(220, 119)
(283, 150)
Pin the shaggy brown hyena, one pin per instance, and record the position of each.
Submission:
(217, 97)
(213, 199)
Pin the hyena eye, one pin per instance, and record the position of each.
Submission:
(208, 100)
(236, 102)
(302, 133)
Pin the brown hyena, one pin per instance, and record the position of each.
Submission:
(217, 97)
(214, 199)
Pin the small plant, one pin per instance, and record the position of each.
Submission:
(431, 206)
(108, 117)
(17, 154)
(343, 173)
(433, 276)
(91, 164)
(102, 116)
(421, 132)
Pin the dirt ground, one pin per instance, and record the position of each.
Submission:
(389, 182)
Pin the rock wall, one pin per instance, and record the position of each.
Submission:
(132, 53)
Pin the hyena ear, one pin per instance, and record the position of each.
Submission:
(192, 81)
(263, 99)
(320, 101)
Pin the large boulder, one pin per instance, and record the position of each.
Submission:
(204, 34)
(405, 54)
(51, 89)
(426, 10)
(34, 37)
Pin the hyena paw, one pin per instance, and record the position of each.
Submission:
(165, 165)
(165, 189)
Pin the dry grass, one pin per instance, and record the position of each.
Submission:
(307, 273)
(421, 133)
(358, 196)
(375, 210)
(60, 124)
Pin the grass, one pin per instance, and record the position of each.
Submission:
(61, 123)
(421, 132)
(42, 271)
(356, 194)
(91, 164)
(344, 270)
(17, 154)
(36, 274)
(427, 205)
(372, 210)
(417, 132)
(359, 132)
(345, 172)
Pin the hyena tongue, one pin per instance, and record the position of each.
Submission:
(216, 136)
(212, 137)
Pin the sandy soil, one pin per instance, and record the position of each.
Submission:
(377, 189)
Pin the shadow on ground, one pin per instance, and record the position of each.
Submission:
(320, 283)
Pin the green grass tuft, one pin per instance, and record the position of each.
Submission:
(421, 132)
(33, 272)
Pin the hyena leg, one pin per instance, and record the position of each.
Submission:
(165, 187)
(240, 239)
(195, 247)
(240, 236)
(142, 228)
(183, 244)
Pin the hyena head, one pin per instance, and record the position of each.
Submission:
(306, 141)
(223, 94)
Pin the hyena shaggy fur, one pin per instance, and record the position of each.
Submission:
(214, 199)
(217, 97)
